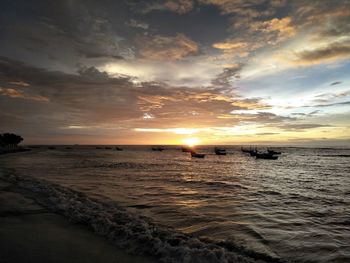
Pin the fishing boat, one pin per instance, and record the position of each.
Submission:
(197, 155)
(158, 148)
(245, 150)
(219, 151)
(253, 152)
(266, 155)
(273, 152)
(118, 148)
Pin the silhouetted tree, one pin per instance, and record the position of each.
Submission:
(2, 143)
(10, 140)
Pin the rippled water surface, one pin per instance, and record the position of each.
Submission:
(296, 208)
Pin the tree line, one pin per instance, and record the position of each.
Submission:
(10, 140)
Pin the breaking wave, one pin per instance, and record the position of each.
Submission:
(130, 231)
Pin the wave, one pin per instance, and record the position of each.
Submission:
(130, 231)
(126, 165)
(336, 155)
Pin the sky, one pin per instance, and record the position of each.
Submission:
(176, 71)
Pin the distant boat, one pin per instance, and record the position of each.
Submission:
(158, 148)
(251, 151)
(245, 150)
(197, 155)
(266, 155)
(186, 149)
(118, 149)
(219, 151)
(273, 152)
(51, 148)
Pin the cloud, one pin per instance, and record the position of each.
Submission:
(331, 104)
(179, 6)
(325, 97)
(224, 78)
(93, 99)
(231, 45)
(334, 51)
(168, 47)
(13, 93)
(65, 31)
(281, 27)
(302, 126)
(20, 83)
(92, 73)
(137, 24)
(335, 83)
(238, 7)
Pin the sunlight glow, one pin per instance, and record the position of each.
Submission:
(191, 141)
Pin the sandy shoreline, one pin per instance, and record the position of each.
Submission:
(31, 233)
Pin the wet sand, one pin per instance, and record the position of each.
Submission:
(31, 233)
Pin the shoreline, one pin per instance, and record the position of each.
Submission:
(127, 231)
(19, 150)
(132, 234)
(29, 232)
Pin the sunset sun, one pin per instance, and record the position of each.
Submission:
(191, 141)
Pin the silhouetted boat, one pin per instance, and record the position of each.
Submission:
(51, 148)
(273, 152)
(253, 152)
(197, 155)
(219, 151)
(158, 148)
(266, 155)
(186, 149)
(118, 148)
(245, 150)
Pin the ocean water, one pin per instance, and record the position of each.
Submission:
(294, 209)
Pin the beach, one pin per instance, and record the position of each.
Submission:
(31, 233)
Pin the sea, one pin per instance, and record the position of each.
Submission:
(230, 208)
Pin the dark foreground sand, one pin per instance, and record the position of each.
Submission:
(30, 233)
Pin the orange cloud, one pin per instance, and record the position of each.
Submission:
(282, 27)
(230, 45)
(12, 93)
